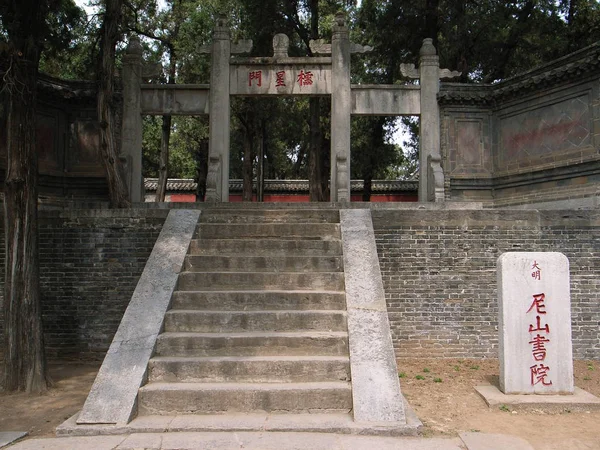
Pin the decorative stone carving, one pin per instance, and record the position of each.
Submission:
(320, 47)
(342, 179)
(213, 180)
(435, 179)
(281, 44)
(427, 49)
(446, 74)
(409, 71)
(357, 48)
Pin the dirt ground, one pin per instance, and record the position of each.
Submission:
(440, 391)
(40, 415)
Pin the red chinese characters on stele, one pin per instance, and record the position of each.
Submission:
(539, 334)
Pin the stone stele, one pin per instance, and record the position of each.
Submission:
(534, 323)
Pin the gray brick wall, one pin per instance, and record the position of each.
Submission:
(90, 262)
(439, 274)
(439, 271)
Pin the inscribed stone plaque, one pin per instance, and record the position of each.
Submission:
(280, 80)
(534, 323)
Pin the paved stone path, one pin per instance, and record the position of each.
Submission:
(272, 441)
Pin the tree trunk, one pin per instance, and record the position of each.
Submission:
(315, 161)
(315, 165)
(368, 187)
(260, 167)
(117, 187)
(247, 166)
(201, 170)
(24, 357)
(163, 161)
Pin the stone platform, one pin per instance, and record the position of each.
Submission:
(579, 401)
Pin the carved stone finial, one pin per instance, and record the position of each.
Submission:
(427, 49)
(281, 43)
(340, 19)
(135, 46)
(222, 21)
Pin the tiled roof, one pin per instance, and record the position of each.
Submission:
(582, 62)
(378, 186)
(173, 184)
(66, 89)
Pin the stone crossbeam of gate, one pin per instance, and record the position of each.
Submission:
(327, 74)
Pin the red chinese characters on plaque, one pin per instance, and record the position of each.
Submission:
(255, 77)
(280, 80)
(305, 78)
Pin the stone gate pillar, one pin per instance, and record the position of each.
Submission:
(341, 107)
(217, 182)
(429, 66)
(131, 131)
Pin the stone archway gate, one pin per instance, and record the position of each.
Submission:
(325, 75)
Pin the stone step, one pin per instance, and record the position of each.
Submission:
(258, 300)
(266, 247)
(282, 426)
(270, 216)
(178, 320)
(334, 343)
(216, 263)
(267, 230)
(249, 369)
(191, 281)
(214, 398)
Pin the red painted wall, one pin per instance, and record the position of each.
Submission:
(292, 198)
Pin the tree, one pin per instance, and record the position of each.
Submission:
(169, 23)
(26, 23)
(110, 34)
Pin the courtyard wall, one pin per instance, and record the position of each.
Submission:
(439, 275)
(530, 141)
(90, 262)
(438, 267)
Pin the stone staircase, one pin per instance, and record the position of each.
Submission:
(258, 319)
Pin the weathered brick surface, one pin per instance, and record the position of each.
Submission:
(439, 273)
(90, 262)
